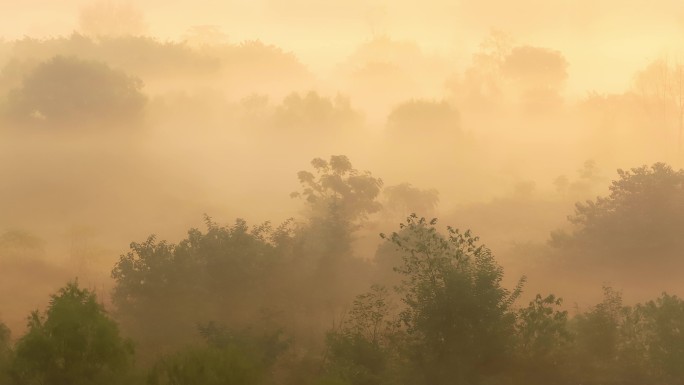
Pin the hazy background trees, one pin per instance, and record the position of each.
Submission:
(69, 92)
(638, 224)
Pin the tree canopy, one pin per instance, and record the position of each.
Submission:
(641, 218)
(73, 342)
(66, 90)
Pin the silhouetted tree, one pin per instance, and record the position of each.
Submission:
(70, 91)
(163, 290)
(642, 218)
(339, 200)
(538, 74)
(315, 114)
(664, 336)
(74, 342)
(338, 197)
(458, 318)
(609, 344)
(362, 350)
(5, 354)
(543, 341)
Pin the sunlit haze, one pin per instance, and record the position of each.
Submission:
(341, 192)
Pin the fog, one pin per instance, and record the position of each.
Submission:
(551, 130)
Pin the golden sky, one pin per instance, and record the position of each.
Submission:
(604, 41)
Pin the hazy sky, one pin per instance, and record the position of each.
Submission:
(604, 41)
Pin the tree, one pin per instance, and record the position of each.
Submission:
(255, 67)
(315, 115)
(238, 274)
(458, 318)
(73, 342)
(501, 72)
(338, 197)
(67, 91)
(5, 353)
(664, 332)
(340, 189)
(361, 351)
(339, 200)
(538, 74)
(226, 359)
(643, 216)
(543, 341)
(618, 344)
(608, 343)
(163, 290)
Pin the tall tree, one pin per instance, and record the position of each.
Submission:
(73, 342)
(339, 198)
(458, 317)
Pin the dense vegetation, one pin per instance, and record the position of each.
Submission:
(253, 305)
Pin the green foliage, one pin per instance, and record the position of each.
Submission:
(544, 339)
(356, 360)
(228, 358)
(223, 274)
(266, 347)
(597, 333)
(4, 339)
(70, 91)
(369, 316)
(5, 353)
(458, 318)
(235, 275)
(74, 342)
(664, 332)
(360, 350)
(610, 343)
(207, 366)
(541, 327)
